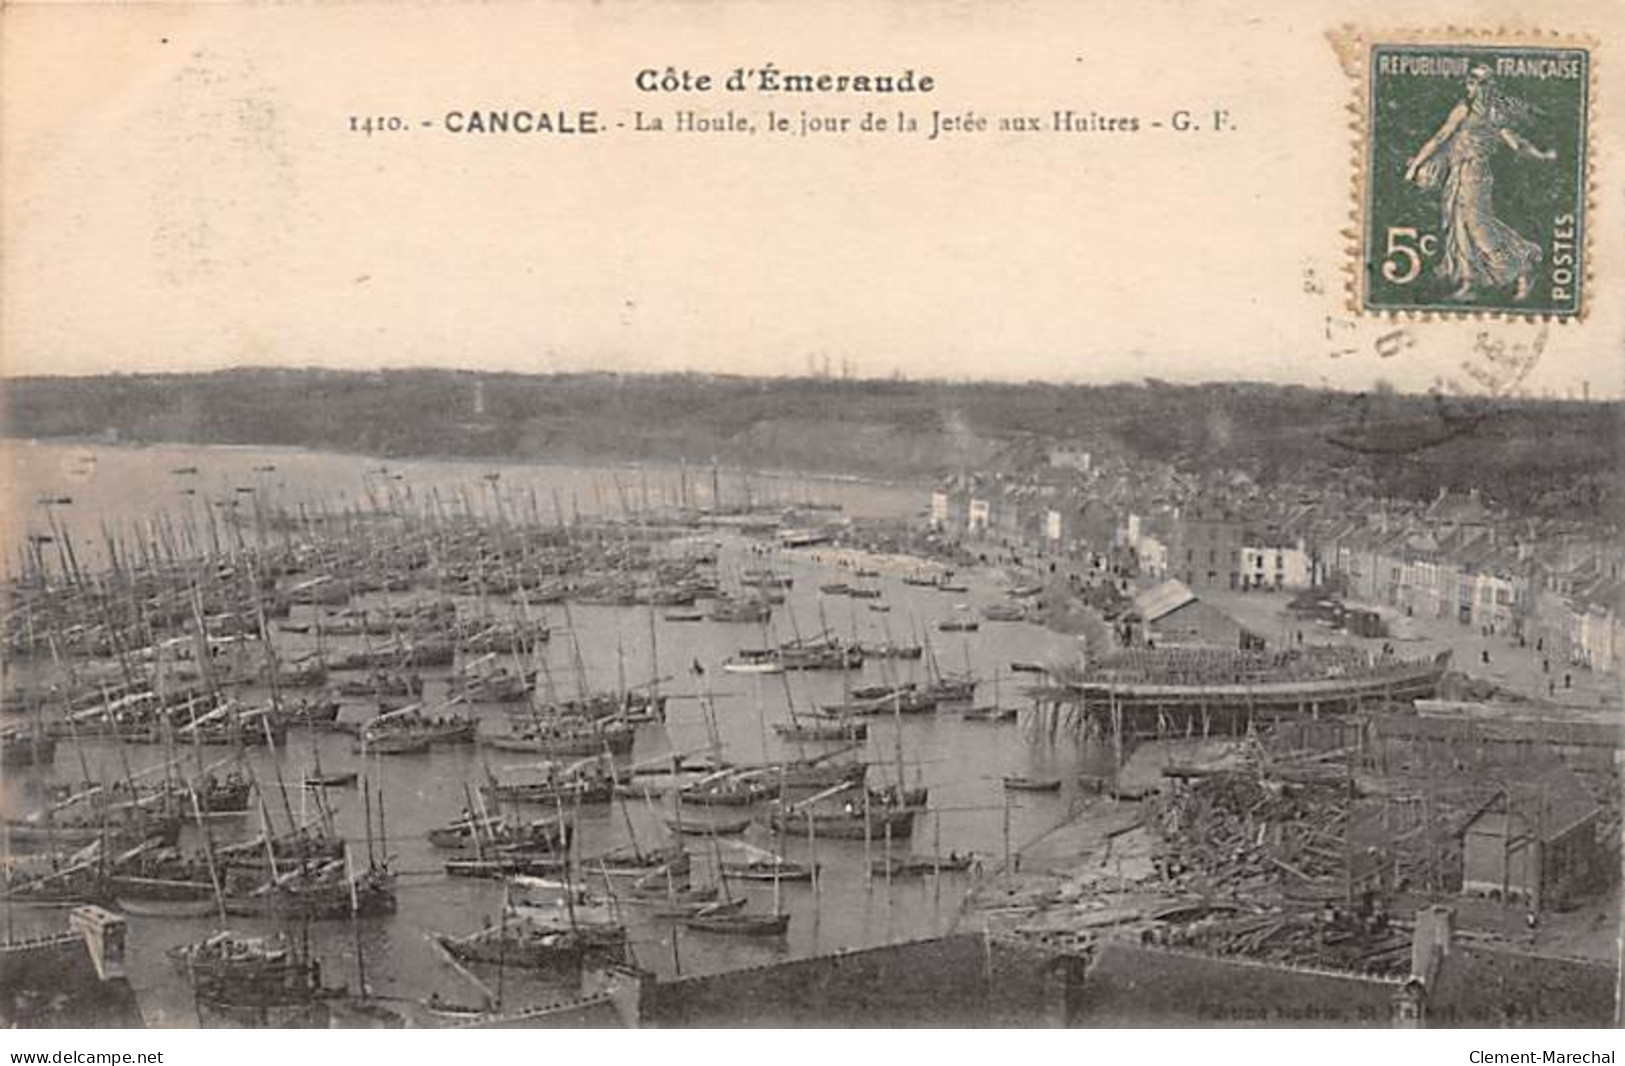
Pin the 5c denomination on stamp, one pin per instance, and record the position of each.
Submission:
(1474, 191)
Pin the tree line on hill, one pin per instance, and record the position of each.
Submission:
(1538, 457)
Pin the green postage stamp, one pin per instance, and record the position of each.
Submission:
(1475, 194)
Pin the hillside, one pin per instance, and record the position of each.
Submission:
(1543, 457)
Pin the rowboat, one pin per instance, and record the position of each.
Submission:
(1032, 784)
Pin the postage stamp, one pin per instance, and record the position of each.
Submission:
(1475, 186)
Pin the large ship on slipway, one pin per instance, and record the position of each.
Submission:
(1159, 692)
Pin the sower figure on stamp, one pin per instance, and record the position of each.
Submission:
(1480, 250)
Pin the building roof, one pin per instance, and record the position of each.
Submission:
(1159, 601)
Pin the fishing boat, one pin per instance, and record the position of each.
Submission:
(314, 892)
(760, 578)
(341, 779)
(591, 780)
(708, 827)
(731, 788)
(689, 907)
(749, 863)
(905, 699)
(394, 743)
(563, 736)
(382, 683)
(1018, 783)
(255, 982)
(946, 689)
(20, 749)
(1004, 612)
(890, 650)
(507, 865)
(820, 728)
(201, 904)
(753, 610)
(846, 822)
(497, 834)
(668, 861)
(920, 865)
(411, 730)
(683, 616)
(738, 923)
(521, 944)
(754, 661)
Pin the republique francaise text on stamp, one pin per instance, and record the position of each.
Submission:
(1474, 198)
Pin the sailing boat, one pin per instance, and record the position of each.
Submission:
(734, 921)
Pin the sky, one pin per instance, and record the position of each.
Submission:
(182, 190)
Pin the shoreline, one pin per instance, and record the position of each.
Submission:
(774, 473)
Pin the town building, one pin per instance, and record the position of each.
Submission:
(1170, 614)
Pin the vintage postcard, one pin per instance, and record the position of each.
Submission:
(712, 514)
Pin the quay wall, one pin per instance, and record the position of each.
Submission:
(1486, 987)
(52, 982)
(1133, 985)
(964, 980)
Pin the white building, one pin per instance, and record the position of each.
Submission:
(1052, 526)
(939, 509)
(1153, 556)
(1070, 458)
(981, 513)
(1276, 567)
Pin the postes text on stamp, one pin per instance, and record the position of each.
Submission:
(1474, 196)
